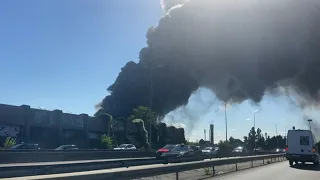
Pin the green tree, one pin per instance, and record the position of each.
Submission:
(144, 113)
(106, 141)
(9, 143)
(260, 139)
(225, 148)
(252, 137)
(235, 142)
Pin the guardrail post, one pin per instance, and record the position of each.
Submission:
(252, 163)
(213, 171)
(278, 159)
(177, 176)
(236, 166)
(263, 161)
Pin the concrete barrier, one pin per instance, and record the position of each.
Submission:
(25, 157)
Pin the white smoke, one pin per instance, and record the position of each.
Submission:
(166, 5)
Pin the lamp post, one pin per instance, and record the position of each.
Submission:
(277, 135)
(254, 126)
(226, 119)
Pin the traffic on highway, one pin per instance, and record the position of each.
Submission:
(160, 90)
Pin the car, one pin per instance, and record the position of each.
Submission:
(182, 150)
(125, 147)
(26, 146)
(239, 150)
(301, 147)
(165, 149)
(67, 147)
(210, 151)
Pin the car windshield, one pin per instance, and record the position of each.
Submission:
(180, 148)
(15, 146)
(239, 148)
(207, 148)
(122, 146)
(169, 146)
(61, 147)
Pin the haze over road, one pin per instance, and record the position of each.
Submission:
(277, 171)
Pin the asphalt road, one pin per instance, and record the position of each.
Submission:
(277, 171)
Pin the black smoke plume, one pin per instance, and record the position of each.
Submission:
(238, 49)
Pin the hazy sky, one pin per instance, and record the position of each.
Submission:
(60, 54)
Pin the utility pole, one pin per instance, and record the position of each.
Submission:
(226, 119)
(254, 126)
(150, 106)
(205, 135)
(277, 135)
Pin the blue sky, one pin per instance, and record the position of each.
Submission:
(60, 54)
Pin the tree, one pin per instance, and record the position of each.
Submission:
(252, 137)
(9, 143)
(144, 113)
(260, 139)
(202, 142)
(106, 141)
(235, 142)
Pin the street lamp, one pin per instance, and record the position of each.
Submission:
(254, 126)
(226, 119)
(277, 135)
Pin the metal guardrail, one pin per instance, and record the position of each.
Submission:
(26, 156)
(152, 170)
(43, 156)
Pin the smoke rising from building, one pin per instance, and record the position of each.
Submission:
(238, 49)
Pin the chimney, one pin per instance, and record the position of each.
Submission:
(211, 134)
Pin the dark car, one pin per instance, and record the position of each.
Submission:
(26, 146)
(210, 151)
(179, 151)
(239, 151)
(165, 149)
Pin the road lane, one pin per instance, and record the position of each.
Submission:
(277, 171)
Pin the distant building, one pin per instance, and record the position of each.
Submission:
(49, 128)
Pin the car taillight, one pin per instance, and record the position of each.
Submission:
(162, 150)
(313, 149)
(287, 148)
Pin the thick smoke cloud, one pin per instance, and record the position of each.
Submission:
(238, 49)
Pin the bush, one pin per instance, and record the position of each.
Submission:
(9, 143)
(106, 141)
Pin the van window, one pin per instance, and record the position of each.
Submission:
(304, 140)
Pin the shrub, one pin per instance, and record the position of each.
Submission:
(9, 142)
(106, 141)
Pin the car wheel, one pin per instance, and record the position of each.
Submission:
(316, 163)
(290, 162)
(303, 163)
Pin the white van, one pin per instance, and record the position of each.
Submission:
(301, 147)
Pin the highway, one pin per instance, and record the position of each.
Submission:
(277, 171)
